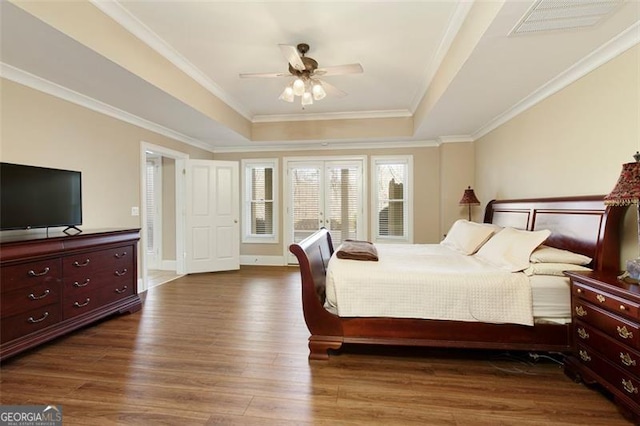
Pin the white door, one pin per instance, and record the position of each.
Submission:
(213, 203)
(325, 194)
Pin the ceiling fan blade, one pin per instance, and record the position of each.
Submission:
(340, 70)
(264, 74)
(333, 90)
(292, 56)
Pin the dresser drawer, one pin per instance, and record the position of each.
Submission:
(612, 303)
(30, 274)
(617, 353)
(80, 266)
(84, 281)
(80, 304)
(26, 299)
(627, 384)
(116, 291)
(618, 328)
(29, 322)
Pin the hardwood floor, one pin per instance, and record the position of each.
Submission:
(231, 348)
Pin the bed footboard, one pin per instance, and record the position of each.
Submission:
(313, 255)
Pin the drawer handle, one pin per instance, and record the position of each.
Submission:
(121, 291)
(81, 265)
(583, 333)
(580, 311)
(120, 256)
(119, 274)
(624, 333)
(34, 297)
(579, 290)
(33, 273)
(601, 298)
(42, 318)
(627, 360)
(81, 305)
(84, 284)
(623, 308)
(628, 386)
(584, 355)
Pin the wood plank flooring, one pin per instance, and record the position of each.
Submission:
(231, 348)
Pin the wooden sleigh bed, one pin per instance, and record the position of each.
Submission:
(579, 224)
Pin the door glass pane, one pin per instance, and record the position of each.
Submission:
(343, 202)
(305, 185)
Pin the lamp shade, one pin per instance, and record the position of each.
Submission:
(627, 190)
(469, 198)
(298, 87)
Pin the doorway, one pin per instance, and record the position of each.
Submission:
(162, 221)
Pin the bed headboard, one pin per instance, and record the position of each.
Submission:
(580, 224)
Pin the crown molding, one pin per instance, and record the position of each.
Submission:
(614, 47)
(455, 139)
(128, 21)
(326, 145)
(38, 83)
(365, 115)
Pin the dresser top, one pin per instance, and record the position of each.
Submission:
(40, 235)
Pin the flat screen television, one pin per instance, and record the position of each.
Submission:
(39, 197)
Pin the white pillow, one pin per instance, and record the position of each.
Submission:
(546, 254)
(467, 237)
(510, 249)
(555, 269)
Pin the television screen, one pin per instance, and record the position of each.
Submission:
(39, 197)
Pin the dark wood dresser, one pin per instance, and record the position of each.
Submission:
(606, 337)
(51, 285)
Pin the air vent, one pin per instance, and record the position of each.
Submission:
(553, 15)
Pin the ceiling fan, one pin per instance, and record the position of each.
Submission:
(305, 70)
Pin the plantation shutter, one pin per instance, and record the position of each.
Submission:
(391, 206)
(261, 202)
(151, 207)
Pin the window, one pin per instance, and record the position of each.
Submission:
(392, 178)
(260, 203)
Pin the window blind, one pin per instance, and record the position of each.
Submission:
(391, 199)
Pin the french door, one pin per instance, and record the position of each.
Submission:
(325, 193)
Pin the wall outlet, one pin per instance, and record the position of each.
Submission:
(135, 211)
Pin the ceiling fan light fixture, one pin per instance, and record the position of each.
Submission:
(307, 99)
(287, 94)
(318, 91)
(298, 87)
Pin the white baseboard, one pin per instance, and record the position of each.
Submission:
(262, 260)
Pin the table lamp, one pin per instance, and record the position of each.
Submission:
(469, 199)
(626, 192)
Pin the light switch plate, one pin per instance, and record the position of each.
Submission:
(135, 211)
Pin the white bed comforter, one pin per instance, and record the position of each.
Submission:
(427, 281)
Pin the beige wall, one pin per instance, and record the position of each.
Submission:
(42, 130)
(457, 170)
(572, 143)
(426, 177)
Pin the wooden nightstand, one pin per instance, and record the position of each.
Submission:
(605, 337)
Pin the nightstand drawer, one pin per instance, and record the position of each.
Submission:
(627, 384)
(613, 303)
(619, 354)
(616, 327)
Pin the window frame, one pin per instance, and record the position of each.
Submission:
(247, 166)
(407, 161)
